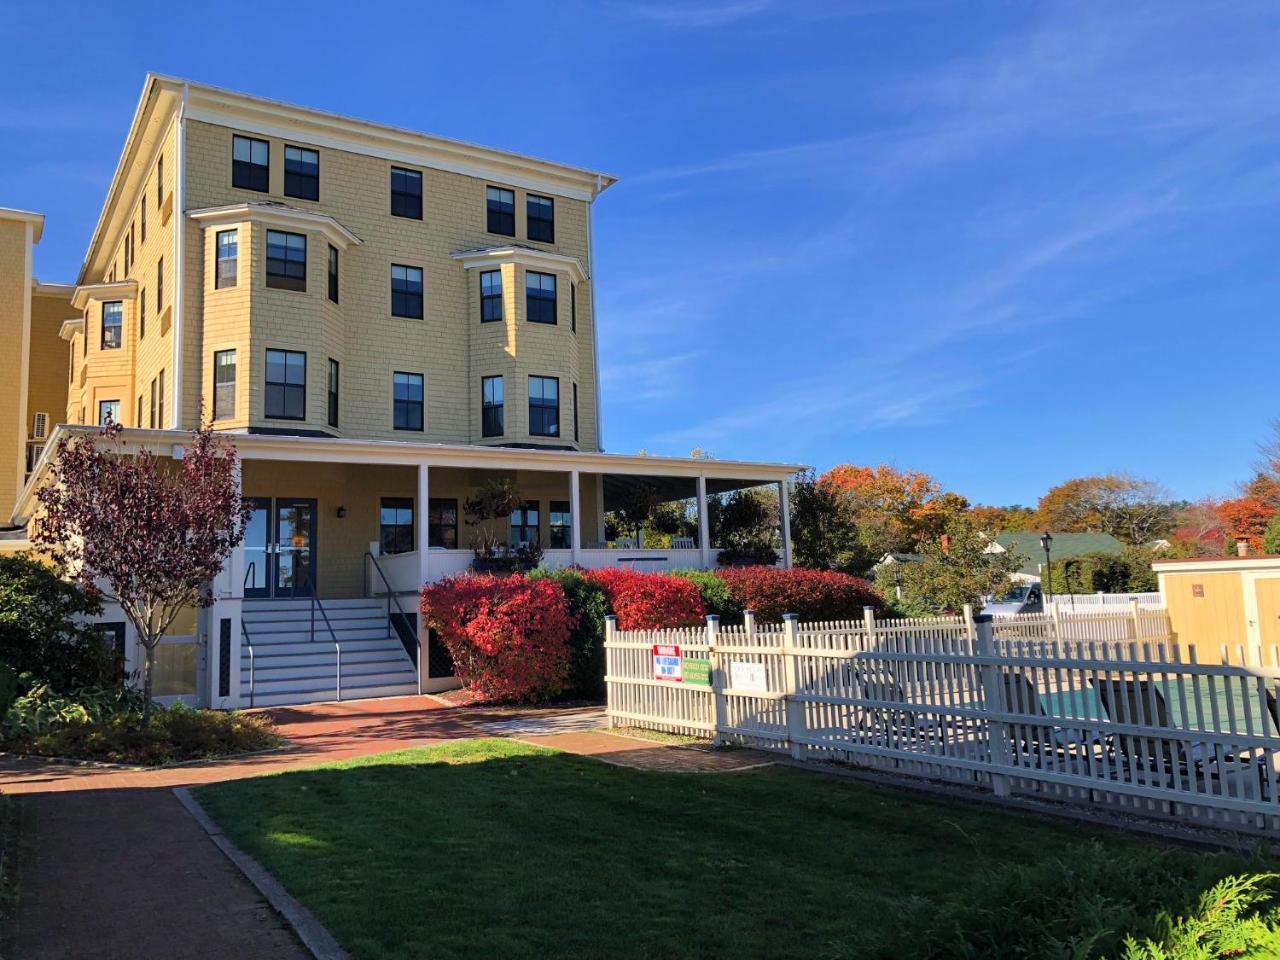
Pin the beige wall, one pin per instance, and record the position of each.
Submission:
(1213, 618)
(47, 380)
(449, 346)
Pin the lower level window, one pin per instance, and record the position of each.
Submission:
(442, 523)
(108, 411)
(524, 523)
(544, 406)
(286, 385)
(560, 530)
(407, 401)
(395, 525)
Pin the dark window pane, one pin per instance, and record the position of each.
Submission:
(490, 296)
(491, 407)
(406, 193)
(395, 522)
(442, 523)
(228, 258)
(301, 173)
(250, 168)
(406, 291)
(407, 401)
(544, 406)
(540, 212)
(286, 385)
(501, 211)
(286, 260)
(540, 297)
(224, 384)
(559, 529)
(112, 325)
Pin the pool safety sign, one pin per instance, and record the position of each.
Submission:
(666, 662)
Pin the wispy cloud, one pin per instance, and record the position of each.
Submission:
(694, 15)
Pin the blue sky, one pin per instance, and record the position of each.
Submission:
(1004, 243)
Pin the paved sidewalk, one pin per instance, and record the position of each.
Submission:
(120, 870)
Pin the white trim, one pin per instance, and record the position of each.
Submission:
(575, 520)
(595, 326)
(179, 194)
(1208, 565)
(40, 289)
(409, 453)
(24, 356)
(71, 327)
(490, 257)
(119, 290)
(31, 219)
(276, 215)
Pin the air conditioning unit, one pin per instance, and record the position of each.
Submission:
(40, 426)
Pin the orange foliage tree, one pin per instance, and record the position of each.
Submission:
(893, 509)
(1246, 518)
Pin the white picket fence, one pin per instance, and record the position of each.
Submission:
(1103, 708)
(1107, 601)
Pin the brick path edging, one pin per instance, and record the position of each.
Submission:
(313, 934)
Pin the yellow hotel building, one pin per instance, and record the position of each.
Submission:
(384, 320)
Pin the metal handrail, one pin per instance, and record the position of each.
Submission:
(248, 575)
(248, 645)
(391, 598)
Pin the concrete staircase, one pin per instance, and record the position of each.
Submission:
(289, 667)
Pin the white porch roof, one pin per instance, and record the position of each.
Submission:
(407, 453)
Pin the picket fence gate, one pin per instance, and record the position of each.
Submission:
(1100, 708)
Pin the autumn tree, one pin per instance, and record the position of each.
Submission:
(1246, 518)
(1129, 508)
(892, 509)
(150, 532)
(994, 520)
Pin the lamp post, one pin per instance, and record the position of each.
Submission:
(1046, 541)
(897, 580)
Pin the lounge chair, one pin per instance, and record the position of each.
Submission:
(1140, 703)
(1040, 741)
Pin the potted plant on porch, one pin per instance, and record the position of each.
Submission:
(497, 499)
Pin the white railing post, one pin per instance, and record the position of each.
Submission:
(610, 638)
(869, 621)
(968, 621)
(791, 679)
(717, 677)
(1055, 612)
(749, 623)
(1137, 620)
(993, 703)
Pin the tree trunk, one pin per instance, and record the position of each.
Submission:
(148, 672)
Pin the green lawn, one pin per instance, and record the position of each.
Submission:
(495, 849)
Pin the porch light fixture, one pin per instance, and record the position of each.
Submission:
(342, 512)
(1046, 542)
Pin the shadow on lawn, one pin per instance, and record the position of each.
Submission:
(495, 848)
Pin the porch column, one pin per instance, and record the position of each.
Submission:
(704, 528)
(575, 522)
(600, 509)
(220, 625)
(423, 511)
(784, 505)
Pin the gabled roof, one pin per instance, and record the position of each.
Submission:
(1064, 545)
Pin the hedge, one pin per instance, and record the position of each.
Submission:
(809, 594)
(650, 601)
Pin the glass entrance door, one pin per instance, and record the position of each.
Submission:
(295, 548)
(279, 546)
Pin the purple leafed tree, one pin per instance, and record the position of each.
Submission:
(149, 531)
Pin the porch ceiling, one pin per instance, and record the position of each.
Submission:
(619, 487)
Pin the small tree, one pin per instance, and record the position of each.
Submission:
(152, 532)
(637, 509)
(958, 570)
(495, 499)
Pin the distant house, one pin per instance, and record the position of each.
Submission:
(1064, 545)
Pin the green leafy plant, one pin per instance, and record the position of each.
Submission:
(1236, 917)
(586, 640)
(717, 596)
(43, 636)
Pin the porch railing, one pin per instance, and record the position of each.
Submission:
(404, 618)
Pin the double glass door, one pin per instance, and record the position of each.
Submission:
(280, 547)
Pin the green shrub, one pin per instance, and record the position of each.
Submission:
(107, 725)
(715, 594)
(8, 689)
(1236, 917)
(1080, 905)
(40, 637)
(586, 640)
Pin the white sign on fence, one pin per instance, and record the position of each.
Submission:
(748, 676)
(666, 662)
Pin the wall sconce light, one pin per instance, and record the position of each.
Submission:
(342, 512)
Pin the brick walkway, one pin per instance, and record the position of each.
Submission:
(120, 870)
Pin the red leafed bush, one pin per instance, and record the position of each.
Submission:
(650, 601)
(809, 594)
(508, 636)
